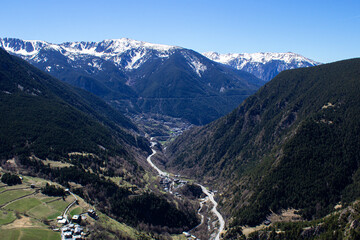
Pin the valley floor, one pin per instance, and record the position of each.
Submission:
(214, 227)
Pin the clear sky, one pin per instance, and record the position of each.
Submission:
(323, 30)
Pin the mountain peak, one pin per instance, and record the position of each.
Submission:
(113, 46)
(22, 47)
(257, 63)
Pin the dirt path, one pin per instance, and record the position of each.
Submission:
(23, 222)
(4, 205)
(13, 189)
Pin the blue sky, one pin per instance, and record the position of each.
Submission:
(325, 31)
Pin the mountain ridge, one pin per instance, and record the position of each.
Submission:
(264, 65)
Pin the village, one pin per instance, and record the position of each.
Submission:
(71, 229)
(169, 184)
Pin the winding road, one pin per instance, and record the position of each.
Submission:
(161, 173)
(70, 205)
(210, 195)
(214, 210)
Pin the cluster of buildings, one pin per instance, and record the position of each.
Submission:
(71, 230)
(169, 184)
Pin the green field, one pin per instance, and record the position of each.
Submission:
(43, 210)
(29, 234)
(59, 205)
(76, 211)
(8, 196)
(37, 207)
(24, 204)
(6, 217)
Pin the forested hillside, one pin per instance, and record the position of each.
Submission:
(294, 144)
(52, 130)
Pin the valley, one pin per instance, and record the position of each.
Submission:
(209, 201)
(164, 128)
(131, 129)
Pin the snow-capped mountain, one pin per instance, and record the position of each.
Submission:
(263, 65)
(137, 76)
(125, 53)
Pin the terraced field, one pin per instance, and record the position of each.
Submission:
(27, 214)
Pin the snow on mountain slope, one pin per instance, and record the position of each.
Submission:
(129, 55)
(125, 53)
(263, 65)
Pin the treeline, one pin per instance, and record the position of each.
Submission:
(52, 190)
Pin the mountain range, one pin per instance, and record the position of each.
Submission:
(136, 76)
(140, 77)
(292, 145)
(263, 65)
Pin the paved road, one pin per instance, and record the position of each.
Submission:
(161, 173)
(70, 205)
(209, 195)
(215, 211)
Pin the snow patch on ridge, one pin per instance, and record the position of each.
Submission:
(95, 64)
(195, 64)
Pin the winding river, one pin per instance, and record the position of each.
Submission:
(210, 195)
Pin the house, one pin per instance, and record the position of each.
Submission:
(62, 221)
(78, 230)
(76, 218)
(67, 235)
(92, 214)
